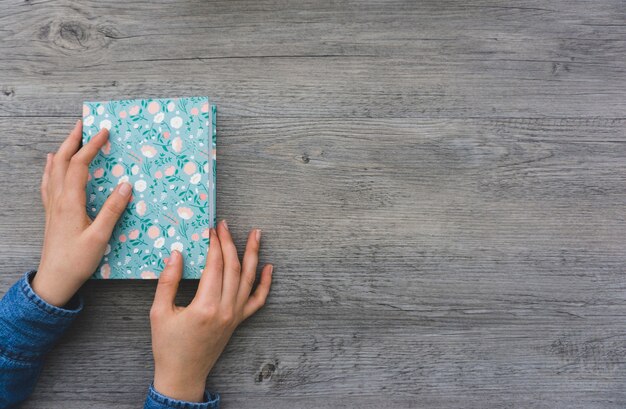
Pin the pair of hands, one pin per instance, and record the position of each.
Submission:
(186, 341)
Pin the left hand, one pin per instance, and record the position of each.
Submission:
(73, 244)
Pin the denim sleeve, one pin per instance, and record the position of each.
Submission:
(29, 328)
(157, 401)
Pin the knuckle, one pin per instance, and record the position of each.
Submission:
(157, 312)
(208, 314)
(75, 160)
(97, 235)
(64, 205)
(166, 279)
(113, 207)
(227, 317)
(250, 280)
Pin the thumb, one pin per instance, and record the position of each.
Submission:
(168, 282)
(112, 209)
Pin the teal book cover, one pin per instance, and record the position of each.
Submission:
(166, 149)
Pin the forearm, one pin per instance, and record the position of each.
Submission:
(29, 328)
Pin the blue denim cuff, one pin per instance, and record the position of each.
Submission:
(157, 401)
(29, 326)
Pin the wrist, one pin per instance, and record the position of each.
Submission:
(54, 291)
(188, 390)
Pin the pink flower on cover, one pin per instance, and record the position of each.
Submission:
(133, 234)
(134, 110)
(205, 107)
(190, 168)
(194, 111)
(118, 170)
(148, 151)
(122, 114)
(98, 173)
(185, 212)
(122, 238)
(195, 237)
(148, 275)
(158, 174)
(170, 171)
(154, 107)
(153, 232)
(105, 271)
(106, 149)
(177, 144)
(141, 208)
(203, 196)
(206, 233)
(166, 135)
(85, 111)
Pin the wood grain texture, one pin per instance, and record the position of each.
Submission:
(441, 187)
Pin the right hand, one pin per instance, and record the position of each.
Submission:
(187, 341)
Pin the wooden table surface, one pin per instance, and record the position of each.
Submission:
(441, 185)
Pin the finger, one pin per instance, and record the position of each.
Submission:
(250, 262)
(63, 155)
(232, 267)
(44, 180)
(257, 299)
(78, 169)
(111, 211)
(210, 286)
(165, 295)
(72, 143)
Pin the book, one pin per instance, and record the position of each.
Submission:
(166, 149)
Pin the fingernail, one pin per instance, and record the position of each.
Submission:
(271, 268)
(124, 189)
(225, 224)
(173, 257)
(257, 234)
(77, 122)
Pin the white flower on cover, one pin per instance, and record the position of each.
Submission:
(100, 110)
(134, 170)
(178, 246)
(171, 106)
(105, 124)
(171, 231)
(89, 120)
(176, 122)
(195, 179)
(122, 179)
(140, 185)
(158, 243)
(159, 117)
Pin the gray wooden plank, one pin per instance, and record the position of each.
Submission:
(325, 59)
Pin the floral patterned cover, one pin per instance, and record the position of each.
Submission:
(166, 149)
